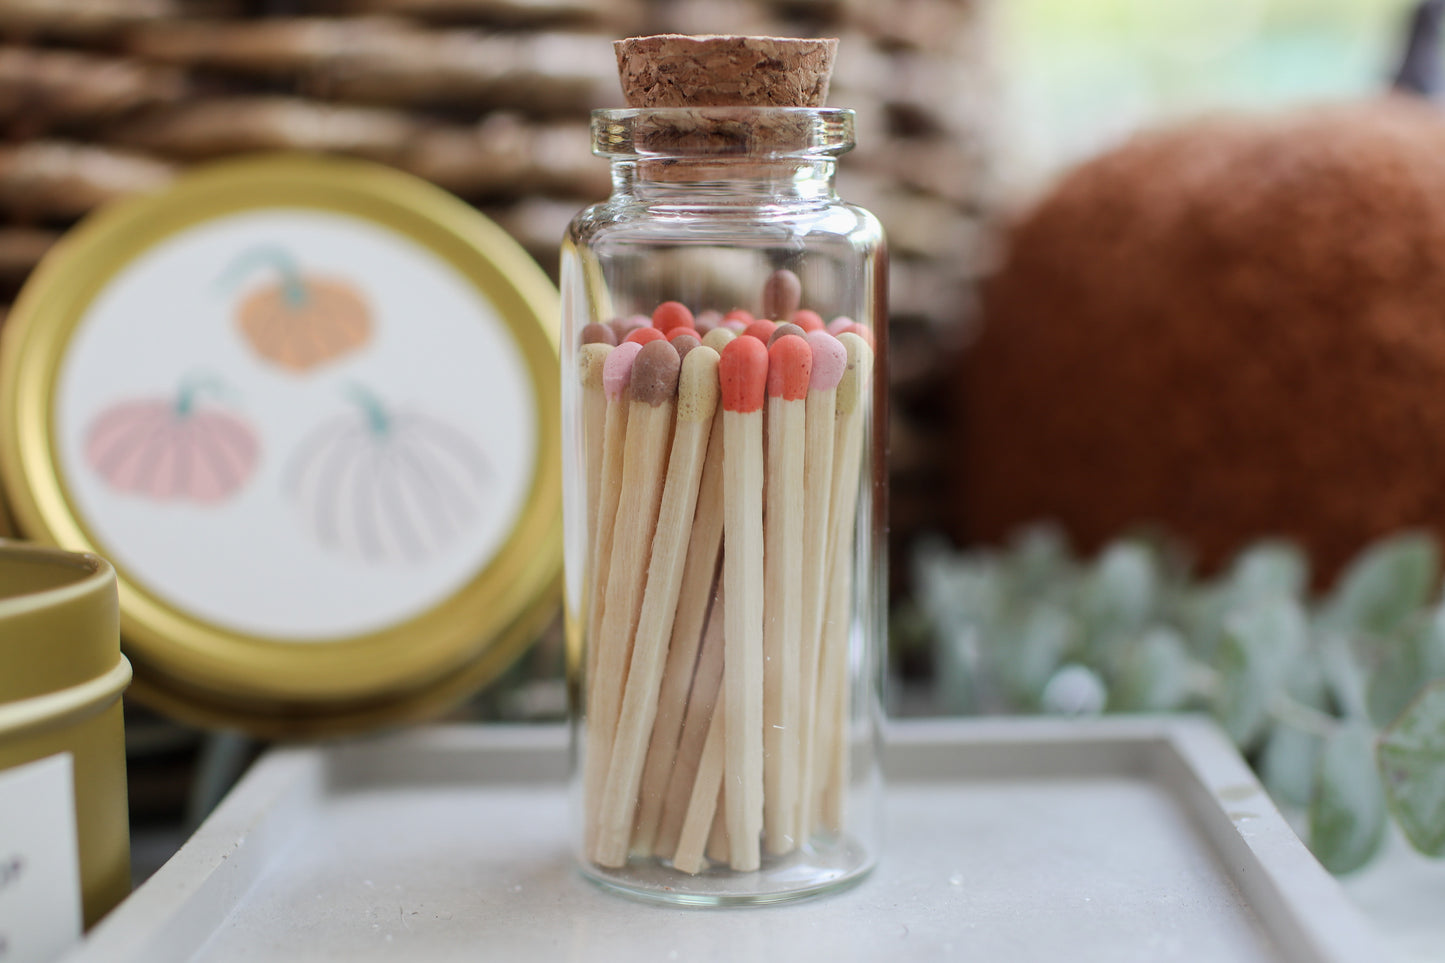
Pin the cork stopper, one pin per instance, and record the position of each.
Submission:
(675, 70)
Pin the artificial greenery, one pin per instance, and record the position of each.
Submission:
(1339, 701)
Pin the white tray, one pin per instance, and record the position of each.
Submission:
(1008, 840)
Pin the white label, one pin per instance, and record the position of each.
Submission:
(39, 862)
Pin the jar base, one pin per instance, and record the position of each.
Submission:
(814, 870)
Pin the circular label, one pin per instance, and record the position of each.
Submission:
(295, 424)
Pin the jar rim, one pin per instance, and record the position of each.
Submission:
(709, 132)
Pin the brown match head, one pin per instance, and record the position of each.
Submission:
(782, 293)
(595, 333)
(785, 329)
(674, 70)
(684, 343)
(655, 373)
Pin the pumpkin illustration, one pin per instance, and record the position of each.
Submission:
(387, 485)
(298, 320)
(170, 450)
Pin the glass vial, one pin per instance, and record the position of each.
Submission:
(723, 330)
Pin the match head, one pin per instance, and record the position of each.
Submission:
(762, 329)
(595, 333)
(830, 360)
(840, 324)
(655, 373)
(807, 320)
(617, 371)
(790, 365)
(853, 389)
(785, 329)
(782, 292)
(591, 359)
(707, 320)
(743, 375)
(740, 314)
(677, 332)
(671, 314)
(697, 386)
(718, 338)
(684, 341)
(645, 335)
(736, 327)
(862, 331)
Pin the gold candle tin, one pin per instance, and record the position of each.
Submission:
(61, 679)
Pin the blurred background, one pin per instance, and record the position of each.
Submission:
(971, 113)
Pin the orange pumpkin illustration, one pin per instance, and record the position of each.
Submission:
(298, 320)
(170, 450)
(388, 485)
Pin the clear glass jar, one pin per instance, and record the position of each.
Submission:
(725, 538)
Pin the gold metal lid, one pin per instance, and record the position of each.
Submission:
(308, 409)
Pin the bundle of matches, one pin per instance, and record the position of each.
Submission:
(723, 456)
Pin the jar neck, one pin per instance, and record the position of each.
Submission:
(725, 182)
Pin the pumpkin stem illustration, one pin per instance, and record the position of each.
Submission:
(191, 387)
(377, 417)
(293, 285)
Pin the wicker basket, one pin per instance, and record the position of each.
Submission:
(490, 99)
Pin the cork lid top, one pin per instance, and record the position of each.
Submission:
(675, 70)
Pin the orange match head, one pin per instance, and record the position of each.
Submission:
(740, 314)
(743, 374)
(671, 314)
(644, 335)
(790, 364)
(807, 320)
(762, 329)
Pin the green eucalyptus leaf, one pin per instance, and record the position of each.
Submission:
(1384, 586)
(1037, 559)
(1343, 673)
(1029, 658)
(1155, 675)
(1259, 643)
(1407, 663)
(1412, 763)
(1288, 763)
(1267, 569)
(1118, 601)
(1347, 814)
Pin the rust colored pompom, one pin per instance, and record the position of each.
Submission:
(1229, 329)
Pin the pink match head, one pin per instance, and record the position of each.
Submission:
(671, 314)
(862, 331)
(790, 365)
(807, 320)
(617, 369)
(644, 335)
(743, 375)
(736, 326)
(762, 329)
(830, 359)
(840, 324)
(740, 314)
(706, 321)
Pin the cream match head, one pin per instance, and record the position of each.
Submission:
(591, 359)
(697, 387)
(857, 376)
(718, 338)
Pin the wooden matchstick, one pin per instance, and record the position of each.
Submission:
(616, 374)
(591, 360)
(830, 360)
(699, 579)
(653, 389)
(831, 763)
(697, 396)
(743, 372)
(702, 701)
(697, 824)
(717, 839)
(790, 363)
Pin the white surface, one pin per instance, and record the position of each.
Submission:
(252, 563)
(1009, 840)
(1402, 892)
(39, 862)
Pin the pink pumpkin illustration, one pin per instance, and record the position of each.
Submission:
(170, 450)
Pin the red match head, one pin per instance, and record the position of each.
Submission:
(790, 364)
(743, 374)
(807, 320)
(762, 329)
(671, 314)
(644, 335)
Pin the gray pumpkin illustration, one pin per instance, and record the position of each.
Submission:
(387, 485)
